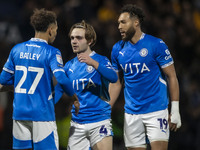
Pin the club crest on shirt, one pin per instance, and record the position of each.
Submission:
(143, 52)
(89, 69)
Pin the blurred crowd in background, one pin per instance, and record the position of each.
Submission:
(177, 22)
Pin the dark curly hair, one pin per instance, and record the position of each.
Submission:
(133, 10)
(41, 19)
(90, 34)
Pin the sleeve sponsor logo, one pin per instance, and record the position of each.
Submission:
(59, 59)
(168, 54)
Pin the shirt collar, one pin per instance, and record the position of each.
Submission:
(93, 52)
(38, 40)
(142, 36)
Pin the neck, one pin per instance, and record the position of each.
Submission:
(41, 35)
(88, 51)
(136, 36)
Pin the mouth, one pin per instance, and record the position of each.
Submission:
(122, 33)
(74, 46)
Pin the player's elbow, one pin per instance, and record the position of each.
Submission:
(114, 78)
(59, 76)
(65, 83)
(6, 78)
(2, 82)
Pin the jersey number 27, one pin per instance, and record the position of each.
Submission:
(40, 72)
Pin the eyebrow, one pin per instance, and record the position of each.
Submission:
(78, 37)
(122, 20)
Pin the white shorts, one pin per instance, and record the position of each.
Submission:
(84, 136)
(42, 135)
(153, 125)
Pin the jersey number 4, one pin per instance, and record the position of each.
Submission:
(39, 71)
(103, 130)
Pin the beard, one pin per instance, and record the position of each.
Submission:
(129, 34)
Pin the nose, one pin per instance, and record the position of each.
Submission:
(119, 26)
(74, 40)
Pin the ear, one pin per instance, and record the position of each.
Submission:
(89, 43)
(50, 31)
(137, 23)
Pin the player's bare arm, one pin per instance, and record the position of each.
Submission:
(4, 88)
(1, 86)
(114, 91)
(175, 120)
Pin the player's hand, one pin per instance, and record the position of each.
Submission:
(76, 104)
(175, 122)
(82, 57)
(175, 118)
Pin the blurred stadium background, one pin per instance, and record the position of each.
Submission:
(177, 22)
